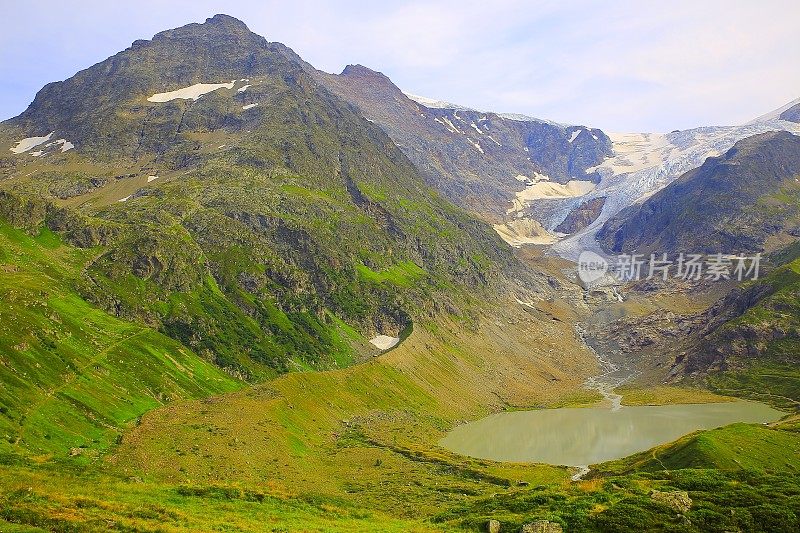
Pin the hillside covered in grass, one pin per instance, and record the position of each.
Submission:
(72, 375)
(264, 223)
(750, 344)
(199, 240)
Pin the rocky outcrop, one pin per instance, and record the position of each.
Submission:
(757, 323)
(542, 526)
(582, 216)
(678, 500)
(64, 191)
(730, 204)
(472, 157)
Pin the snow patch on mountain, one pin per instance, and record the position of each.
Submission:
(249, 106)
(452, 127)
(65, 145)
(642, 164)
(526, 118)
(523, 231)
(550, 189)
(30, 142)
(192, 92)
(540, 187)
(476, 145)
(384, 342)
(432, 103)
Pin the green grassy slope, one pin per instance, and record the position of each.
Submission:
(263, 230)
(329, 445)
(753, 345)
(735, 447)
(62, 497)
(72, 375)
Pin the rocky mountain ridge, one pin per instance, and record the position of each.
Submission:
(731, 204)
(480, 160)
(241, 207)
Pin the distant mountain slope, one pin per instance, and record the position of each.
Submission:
(644, 164)
(473, 157)
(750, 345)
(239, 206)
(792, 114)
(731, 204)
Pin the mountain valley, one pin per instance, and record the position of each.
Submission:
(243, 294)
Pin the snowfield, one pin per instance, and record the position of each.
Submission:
(65, 145)
(434, 104)
(192, 92)
(476, 145)
(525, 231)
(644, 163)
(544, 189)
(384, 342)
(30, 142)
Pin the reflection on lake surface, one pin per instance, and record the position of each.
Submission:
(584, 436)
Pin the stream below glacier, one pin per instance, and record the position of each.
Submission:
(579, 437)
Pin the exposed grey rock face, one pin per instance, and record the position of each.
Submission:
(582, 216)
(792, 114)
(472, 157)
(542, 526)
(678, 500)
(715, 208)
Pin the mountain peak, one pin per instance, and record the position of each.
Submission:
(221, 19)
(219, 25)
(360, 71)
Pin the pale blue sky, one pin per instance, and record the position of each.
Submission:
(621, 66)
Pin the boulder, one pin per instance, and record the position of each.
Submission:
(678, 500)
(542, 526)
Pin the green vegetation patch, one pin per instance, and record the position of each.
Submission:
(74, 376)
